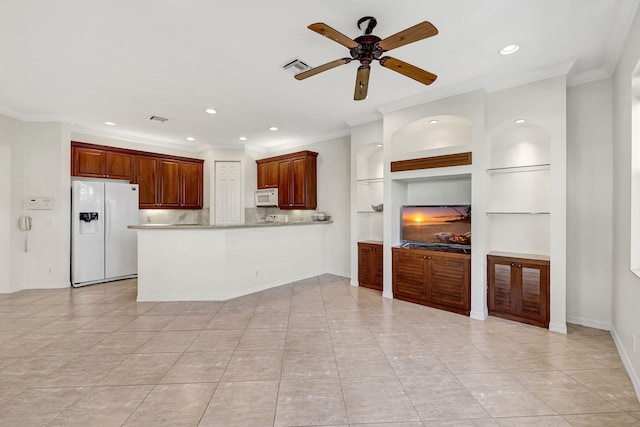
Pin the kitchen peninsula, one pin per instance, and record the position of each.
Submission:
(187, 262)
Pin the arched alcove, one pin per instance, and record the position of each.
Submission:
(521, 145)
(431, 133)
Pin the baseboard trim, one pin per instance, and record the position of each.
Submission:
(626, 361)
(589, 323)
(482, 315)
(387, 295)
(561, 328)
(45, 285)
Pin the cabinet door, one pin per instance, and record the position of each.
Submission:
(409, 275)
(298, 181)
(88, 162)
(146, 176)
(502, 296)
(119, 165)
(448, 281)
(284, 184)
(378, 277)
(191, 185)
(532, 286)
(169, 183)
(365, 265)
(268, 175)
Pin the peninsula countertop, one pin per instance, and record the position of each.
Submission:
(224, 226)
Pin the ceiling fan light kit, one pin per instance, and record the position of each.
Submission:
(368, 48)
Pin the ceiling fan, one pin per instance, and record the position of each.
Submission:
(369, 47)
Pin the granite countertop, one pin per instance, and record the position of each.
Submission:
(216, 227)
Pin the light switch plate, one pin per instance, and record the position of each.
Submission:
(38, 203)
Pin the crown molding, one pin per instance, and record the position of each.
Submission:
(618, 37)
(373, 117)
(587, 77)
(31, 117)
(139, 139)
(303, 142)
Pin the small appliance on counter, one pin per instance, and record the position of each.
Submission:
(321, 216)
(267, 197)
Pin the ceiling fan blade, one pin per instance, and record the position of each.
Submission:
(325, 30)
(408, 70)
(321, 68)
(412, 34)
(362, 83)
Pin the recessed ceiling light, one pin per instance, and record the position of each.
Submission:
(210, 111)
(518, 121)
(509, 49)
(243, 138)
(433, 122)
(109, 123)
(378, 145)
(273, 128)
(190, 138)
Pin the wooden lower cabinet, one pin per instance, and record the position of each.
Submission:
(370, 265)
(518, 288)
(438, 279)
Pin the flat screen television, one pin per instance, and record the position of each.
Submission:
(446, 226)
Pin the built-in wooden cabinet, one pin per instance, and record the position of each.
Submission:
(438, 279)
(165, 182)
(518, 287)
(370, 264)
(267, 173)
(296, 179)
(95, 163)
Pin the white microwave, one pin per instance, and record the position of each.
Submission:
(267, 197)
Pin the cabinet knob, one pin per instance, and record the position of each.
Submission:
(428, 257)
(425, 257)
(513, 264)
(519, 265)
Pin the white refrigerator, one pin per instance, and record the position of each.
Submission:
(102, 247)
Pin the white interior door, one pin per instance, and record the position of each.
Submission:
(228, 190)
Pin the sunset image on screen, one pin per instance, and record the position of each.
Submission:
(448, 225)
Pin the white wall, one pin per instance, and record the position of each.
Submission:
(626, 285)
(589, 204)
(334, 196)
(5, 217)
(39, 167)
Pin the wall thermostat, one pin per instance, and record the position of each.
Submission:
(38, 203)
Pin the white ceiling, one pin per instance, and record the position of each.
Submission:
(89, 61)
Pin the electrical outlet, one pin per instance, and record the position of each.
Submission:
(633, 343)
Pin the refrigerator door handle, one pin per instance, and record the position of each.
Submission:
(107, 220)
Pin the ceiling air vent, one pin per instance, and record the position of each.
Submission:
(295, 66)
(158, 119)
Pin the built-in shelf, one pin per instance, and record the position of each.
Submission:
(518, 213)
(374, 212)
(370, 180)
(525, 168)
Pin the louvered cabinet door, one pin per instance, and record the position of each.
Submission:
(534, 293)
(502, 292)
(409, 275)
(518, 289)
(448, 282)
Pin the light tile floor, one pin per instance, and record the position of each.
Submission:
(313, 353)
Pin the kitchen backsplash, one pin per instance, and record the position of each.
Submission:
(255, 215)
(174, 216)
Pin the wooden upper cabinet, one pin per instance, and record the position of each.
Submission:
(191, 181)
(88, 162)
(99, 163)
(165, 182)
(267, 174)
(146, 176)
(118, 166)
(296, 179)
(169, 178)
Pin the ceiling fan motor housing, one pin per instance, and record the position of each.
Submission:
(368, 49)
